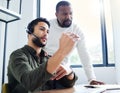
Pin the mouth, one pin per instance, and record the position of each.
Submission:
(44, 39)
(67, 23)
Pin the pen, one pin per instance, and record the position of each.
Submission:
(89, 86)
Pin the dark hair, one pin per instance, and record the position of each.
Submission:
(31, 25)
(62, 3)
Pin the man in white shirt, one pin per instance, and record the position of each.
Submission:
(63, 23)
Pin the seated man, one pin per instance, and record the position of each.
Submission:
(31, 69)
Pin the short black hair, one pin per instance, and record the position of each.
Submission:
(62, 3)
(31, 25)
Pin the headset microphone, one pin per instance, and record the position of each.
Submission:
(36, 36)
(29, 32)
(36, 40)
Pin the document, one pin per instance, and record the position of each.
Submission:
(97, 88)
(90, 89)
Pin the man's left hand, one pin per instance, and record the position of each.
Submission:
(95, 82)
(62, 71)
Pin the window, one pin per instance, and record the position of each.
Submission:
(109, 31)
(94, 18)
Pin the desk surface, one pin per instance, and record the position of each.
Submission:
(69, 90)
(82, 89)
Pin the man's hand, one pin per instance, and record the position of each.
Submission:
(62, 71)
(95, 82)
(67, 42)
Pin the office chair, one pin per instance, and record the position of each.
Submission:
(5, 88)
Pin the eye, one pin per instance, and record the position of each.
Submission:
(48, 31)
(71, 13)
(64, 14)
(41, 28)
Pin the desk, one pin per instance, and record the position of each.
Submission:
(82, 89)
(68, 90)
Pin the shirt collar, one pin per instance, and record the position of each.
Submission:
(30, 49)
(33, 52)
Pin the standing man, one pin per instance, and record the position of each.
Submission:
(63, 23)
(31, 69)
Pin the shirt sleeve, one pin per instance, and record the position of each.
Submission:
(68, 83)
(84, 56)
(30, 77)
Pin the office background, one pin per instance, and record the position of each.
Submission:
(17, 37)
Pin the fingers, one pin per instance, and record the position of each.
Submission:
(72, 35)
(67, 42)
(94, 82)
(59, 75)
(60, 72)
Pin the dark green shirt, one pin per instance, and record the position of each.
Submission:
(27, 72)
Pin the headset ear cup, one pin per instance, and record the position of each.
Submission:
(29, 32)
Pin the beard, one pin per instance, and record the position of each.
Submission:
(37, 42)
(66, 23)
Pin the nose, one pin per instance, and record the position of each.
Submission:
(46, 32)
(68, 16)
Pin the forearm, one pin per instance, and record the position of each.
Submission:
(54, 61)
(86, 60)
(66, 44)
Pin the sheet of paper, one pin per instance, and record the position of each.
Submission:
(82, 89)
(97, 89)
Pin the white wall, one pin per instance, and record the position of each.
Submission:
(115, 7)
(105, 74)
(17, 37)
(16, 33)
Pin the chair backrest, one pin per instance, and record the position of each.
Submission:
(5, 88)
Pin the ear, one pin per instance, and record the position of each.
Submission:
(56, 14)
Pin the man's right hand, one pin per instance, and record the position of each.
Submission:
(67, 42)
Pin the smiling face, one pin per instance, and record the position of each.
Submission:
(64, 15)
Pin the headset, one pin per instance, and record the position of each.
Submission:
(36, 39)
(30, 28)
(30, 32)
